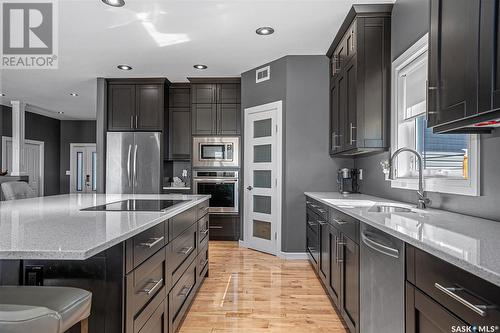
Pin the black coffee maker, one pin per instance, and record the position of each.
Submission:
(347, 180)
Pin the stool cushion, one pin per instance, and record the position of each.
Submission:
(24, 319)
(71, 304)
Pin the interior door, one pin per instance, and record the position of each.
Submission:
(262, 165)
(33, 159)
(83, 168)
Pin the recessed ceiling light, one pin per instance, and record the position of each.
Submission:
(60, 112)
(200, 66)
(73, 94)
(114, 3)
(124, 67)
(2, 94)
(264, 31)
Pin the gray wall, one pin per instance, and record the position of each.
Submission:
(301, 82)
(410, 19)
(44, 129)
(73, 131)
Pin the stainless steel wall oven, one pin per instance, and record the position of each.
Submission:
(222, 185)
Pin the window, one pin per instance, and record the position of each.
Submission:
(451, 163)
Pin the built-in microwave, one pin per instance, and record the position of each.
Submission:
(216, 151)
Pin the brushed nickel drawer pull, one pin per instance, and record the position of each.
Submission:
(205, 263)
(450, 291)
(215, 227)
(184, 291)
(149, 291)
(204, 232)
(321, 210)
(339, 222)
(185, 250)
(322, 222)
(153, 243)
(311, 223)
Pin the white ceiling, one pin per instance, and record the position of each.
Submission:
(165, 38)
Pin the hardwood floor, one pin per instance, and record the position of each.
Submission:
(253, 292)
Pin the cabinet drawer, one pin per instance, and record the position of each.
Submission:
(346, 224)
(144, 245)
(224, 227)
(318, 208)
(203, 229)
(469, 297)
(181, 295)
(182, 252)
(203, 209)
(181, 222)
(158, 322)
(143, 284)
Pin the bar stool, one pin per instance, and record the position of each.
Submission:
(30, 309)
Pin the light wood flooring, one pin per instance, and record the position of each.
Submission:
(253, 292)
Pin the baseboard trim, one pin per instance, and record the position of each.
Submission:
(293, 255)
(282, 255)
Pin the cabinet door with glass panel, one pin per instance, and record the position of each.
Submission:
(450, 160)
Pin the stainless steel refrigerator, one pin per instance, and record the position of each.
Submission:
(133, 162)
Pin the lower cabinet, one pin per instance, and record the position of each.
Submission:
(333, 251)
(424, 315)
(224, 227)
(160, 290)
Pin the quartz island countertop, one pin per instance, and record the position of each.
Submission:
(54, 227)
(470, 243)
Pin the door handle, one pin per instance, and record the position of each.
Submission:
(340, 246)
(136, 121)
(185, 250)
(129, 177)
(388, 251)
(351, 137)
(149, 291)
(153, 243)
(135, 165)
(450, 291)
(250, 188)
(132, 122)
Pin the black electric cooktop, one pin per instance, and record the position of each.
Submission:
(136, 205)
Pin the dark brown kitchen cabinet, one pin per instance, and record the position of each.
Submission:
(121, 107)
(179, 122)
(463, 75)
(360, 82)
(332, 244)
(216, 106)
(228, 118)
(135, 104)
(349, 299)
(424, 315)
(204, 119)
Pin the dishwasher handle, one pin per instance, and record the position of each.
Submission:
(388, 251)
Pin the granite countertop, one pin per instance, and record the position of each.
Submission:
(470, 243)
(53, 227)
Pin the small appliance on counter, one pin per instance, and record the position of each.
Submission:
(347, 180)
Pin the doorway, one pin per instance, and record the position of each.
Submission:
(262, 181)
(33, 158)
(83, 168)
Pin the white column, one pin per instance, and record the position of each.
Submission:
(18, 164)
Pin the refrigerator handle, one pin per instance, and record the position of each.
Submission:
(135, 165)
(129, 178)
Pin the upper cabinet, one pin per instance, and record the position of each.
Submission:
(464, 78)
(179, 122)
(135, 105)
(360, 82)
(216, 108)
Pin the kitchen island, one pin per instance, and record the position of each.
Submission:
(143, 267)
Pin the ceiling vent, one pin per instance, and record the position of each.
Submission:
(262, 74)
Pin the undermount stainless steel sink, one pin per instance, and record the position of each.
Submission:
(390, 209)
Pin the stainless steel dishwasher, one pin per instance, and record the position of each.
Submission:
(382, 269)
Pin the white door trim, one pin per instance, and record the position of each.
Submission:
(278, 107)
(71, 164)
(6, 139)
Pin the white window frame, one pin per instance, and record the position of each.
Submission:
(469, 186)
